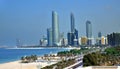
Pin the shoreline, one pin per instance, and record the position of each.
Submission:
(16, 64)
(44, 48)
(32, 65)
(9, 61)
(19, 65)
(16, 58)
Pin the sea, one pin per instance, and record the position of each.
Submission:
(13, 54)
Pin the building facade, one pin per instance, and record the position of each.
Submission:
(89, 32)
(84, 40)
(72, 19)
(99, 38)
(73, 35)
(70, 37)
(113, 39)
(55, 29)
(103, 40)
(49, 36)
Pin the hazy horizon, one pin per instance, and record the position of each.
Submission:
(28, 20)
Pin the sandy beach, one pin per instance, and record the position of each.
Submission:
(18, 65)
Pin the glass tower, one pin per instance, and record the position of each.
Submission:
(72, 22)
(76, 36)
(99, 34)
(99, 37)
(55, 29)
(89, 32)
(49, 36)
(73, 35)
(70, 37)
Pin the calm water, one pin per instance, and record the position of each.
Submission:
(7, 55)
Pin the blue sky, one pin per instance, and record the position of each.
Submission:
(29, 19)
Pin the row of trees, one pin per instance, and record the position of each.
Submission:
(61, 64)
(72, 52)
(27, 59)
(64, 63)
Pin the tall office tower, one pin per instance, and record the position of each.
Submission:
(73, 35)
(99, 34)
(72, 22)
(76, 37)
(89, 32)
(102, 40)
(70, 37)
(113, 39)
(99, 38)
(49, 36)
(84, 40)
(55, 29)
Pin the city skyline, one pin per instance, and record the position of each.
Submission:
(28, 20)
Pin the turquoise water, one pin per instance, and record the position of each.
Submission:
(8, 55)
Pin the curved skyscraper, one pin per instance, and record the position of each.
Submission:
(55, 28)
(89, 32)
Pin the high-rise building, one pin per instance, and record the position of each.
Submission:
(76, 37)
(49, 36)
(99, 34)
(113, 39)
(73, 35)
(99, 37)
(103, 40)
(55, 29)
(84, 40)
(89, 32)
(70, 37)
(72, 19)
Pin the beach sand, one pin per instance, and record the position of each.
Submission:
(18, 65)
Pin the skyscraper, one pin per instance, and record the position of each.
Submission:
(76, 36)
(84, 40)
(89, 32)
(73, 35)
(113, 39)
(72, 22)
(55, 28)
(99, 34)
(70, 37)
(99, 38)
(102, 40)
(49, 36)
